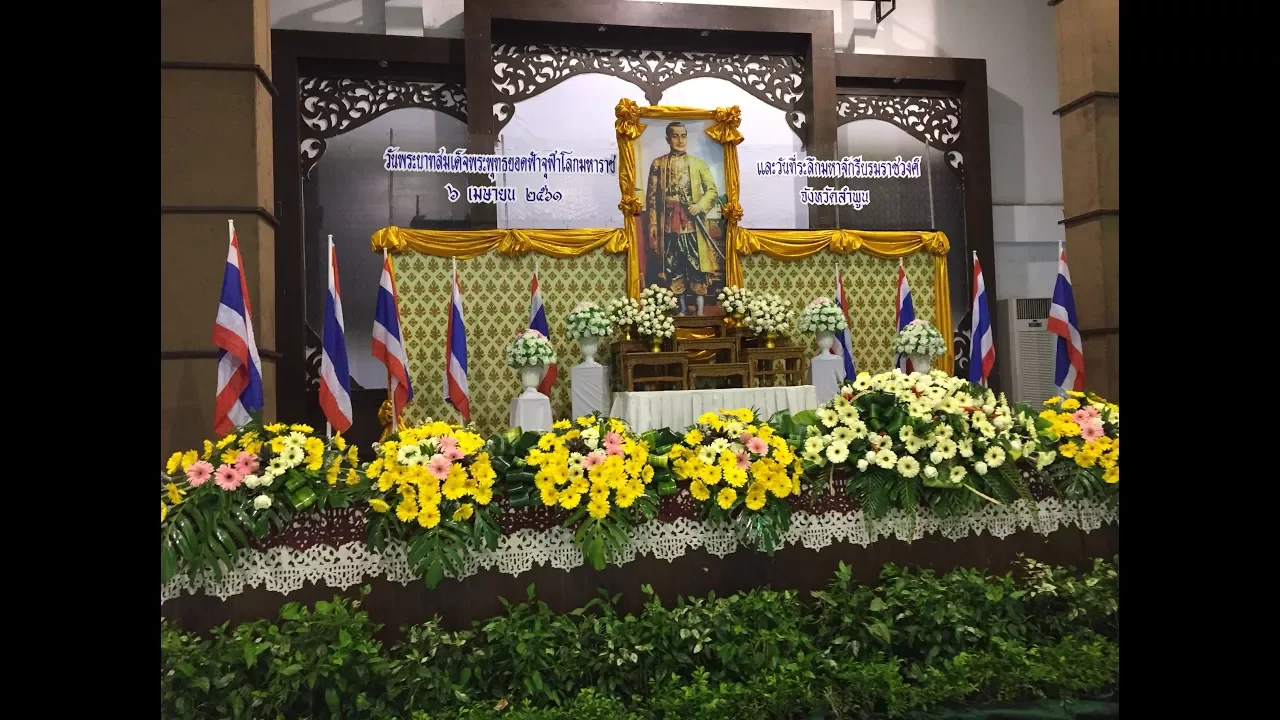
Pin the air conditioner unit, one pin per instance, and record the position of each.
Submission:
(1026, 349)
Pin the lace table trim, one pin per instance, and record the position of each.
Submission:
(285, 570)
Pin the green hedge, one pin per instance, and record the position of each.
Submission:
(918, 642)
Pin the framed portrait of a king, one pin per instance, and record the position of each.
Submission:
(680, 185)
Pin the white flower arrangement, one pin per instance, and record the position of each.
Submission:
(821, 315)
(654, 322)
(659, 297)
(734, 299)
(767, 313)
(623, 311)
(587, 320)
(919, 337)
(530, 348)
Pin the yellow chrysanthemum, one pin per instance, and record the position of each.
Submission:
(617, 425)
(1053, 401)
(586, 420)
(174, 492)
(226, 441)
(208, 450)
(699, 491)
(1068, 450)
(1068, 429)
(550, 496)
(570, 498)
(164, 511)
(315, 462)
(254, 448)
(313, 446)
(1071, 404)
(725, 497)
(407, 510)
(339, 441)
(693, 437)
(598, 509)
(454, 487)
(1075, 393)
(469, 443)
(429, 517)
(277, 444)
(755, 500)
(561, 425)
(483, 495)
(275, 428)
(374, 470)
(229, 456)
(1049, 415)
(189, 458)
(379, 505)
(353, 456)
(464, 512)
(708, 418)
(174, 462)
(744, 414)
(353, 477)
(1112, 474)
(302, 428)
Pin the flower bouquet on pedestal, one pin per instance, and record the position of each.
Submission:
(253, 481)
(623, 313)
(734, 300)
(903, 441)
(921, 342)
(823, 318)
(530, 353)
(598, 471)
(433, 487)
(659, 298)
(587, 323)
(767, 315)
(1083, 435)
(739, 471)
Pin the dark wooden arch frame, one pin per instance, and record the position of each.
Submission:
(966, 80)
(295, 54)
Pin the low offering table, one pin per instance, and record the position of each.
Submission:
(681, 408)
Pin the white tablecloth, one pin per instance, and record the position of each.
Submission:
(678, 409)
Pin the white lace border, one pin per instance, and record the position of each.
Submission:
(285, 570)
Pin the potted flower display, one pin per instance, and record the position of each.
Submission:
(824, 318)
(530, 353)
(734, 301)
(654, 323)
(622, 313)
(921, 342)
(587, 323)
(660, 298)
(767, 315)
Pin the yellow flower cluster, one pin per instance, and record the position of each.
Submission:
(728, 446)
(1089, 428)
(597, 458)
(425, 466)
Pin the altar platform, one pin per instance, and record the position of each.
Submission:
(681, 408)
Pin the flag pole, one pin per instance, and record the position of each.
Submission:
(395, 421)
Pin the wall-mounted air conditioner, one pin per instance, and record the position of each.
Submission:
(1026, 349)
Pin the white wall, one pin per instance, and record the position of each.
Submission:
(1015, 37)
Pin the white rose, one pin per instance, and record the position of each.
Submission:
(262, 502)
(862, 465)
(252, 481)
(930, 471)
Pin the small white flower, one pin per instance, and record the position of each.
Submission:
(930, 472)
(252, 481)
(262, 502)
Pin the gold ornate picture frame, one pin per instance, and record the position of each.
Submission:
(722, 127)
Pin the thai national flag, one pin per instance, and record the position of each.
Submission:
(538, 321)
(335, 374)
(1068, 368)
(456, 391)
(239, 368)
(844, 339)
(388, 342)
(903, 316)
(983, 353)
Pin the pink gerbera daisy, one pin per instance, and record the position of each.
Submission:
(744, 460)
(1084, 415)
(227, 478)
(758, 446)
(246, 463)
(593, 459)
(199, 473)
(448, 442)
(745, 438)
(612, 438)
(1090, 431)
(439, 466)
(453, 453)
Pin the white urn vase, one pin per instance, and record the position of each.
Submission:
(530, 376)
(825, 340)
(921, 363)
(589, 345)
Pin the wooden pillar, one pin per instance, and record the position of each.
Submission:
(215, 165)
(1088, 33)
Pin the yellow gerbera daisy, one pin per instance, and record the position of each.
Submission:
(464, 512)
(379, 505)
(164, 511)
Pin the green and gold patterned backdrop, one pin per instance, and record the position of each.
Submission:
(495, 296)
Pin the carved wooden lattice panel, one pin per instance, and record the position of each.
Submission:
(935, 120)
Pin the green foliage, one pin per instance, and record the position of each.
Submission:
(918, 641)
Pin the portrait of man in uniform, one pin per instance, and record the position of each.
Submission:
(682, 240)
